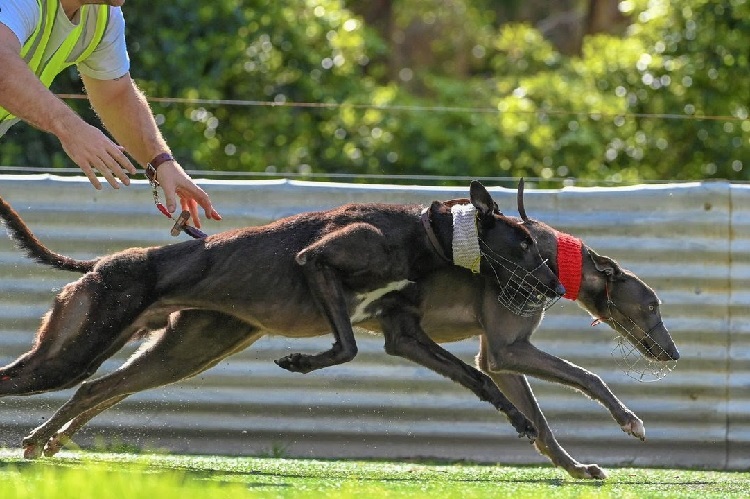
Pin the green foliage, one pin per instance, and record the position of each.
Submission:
(696, 63)
(669, 100)
(265, 51)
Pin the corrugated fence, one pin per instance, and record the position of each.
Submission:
(691, 242)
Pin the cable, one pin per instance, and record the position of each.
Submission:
(436, 109)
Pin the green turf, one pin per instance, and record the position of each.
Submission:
(121, 476)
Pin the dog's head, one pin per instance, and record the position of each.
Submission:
(503, 240)
(611, 294)
(628, 305)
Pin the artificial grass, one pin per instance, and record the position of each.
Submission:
(102, 476)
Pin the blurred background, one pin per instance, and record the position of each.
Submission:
(574, 91)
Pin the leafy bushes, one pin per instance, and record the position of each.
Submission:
(491, 102)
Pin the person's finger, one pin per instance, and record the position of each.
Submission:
(107, 174)
(124, 162)
(169, 197)
(189, 205)
(204, 201)
(117, 170)
(92, 177)
(193, 206)
(117, 163)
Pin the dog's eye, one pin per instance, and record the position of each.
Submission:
(651, 308)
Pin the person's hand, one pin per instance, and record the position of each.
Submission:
(93, 151)
(176, 183)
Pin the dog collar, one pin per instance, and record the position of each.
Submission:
(427, 224)
(569, 264)
(465, 237)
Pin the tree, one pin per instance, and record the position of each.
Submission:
(474, 95)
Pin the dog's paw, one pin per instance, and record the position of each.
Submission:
(587, 472)
(55, 444)
(635, 427)
(31, 450)
(296, 363)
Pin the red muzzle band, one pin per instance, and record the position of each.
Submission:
(569, 264)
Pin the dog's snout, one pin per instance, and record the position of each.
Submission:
(560, 289)
(663, 340)
(674, 354)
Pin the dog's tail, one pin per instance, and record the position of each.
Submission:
(25, 239)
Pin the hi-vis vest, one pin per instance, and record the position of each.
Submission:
(33, 50)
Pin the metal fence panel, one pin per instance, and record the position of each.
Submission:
(688, 241)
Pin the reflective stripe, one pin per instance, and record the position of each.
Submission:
(59, 59)
(33, 50)
(102, 20)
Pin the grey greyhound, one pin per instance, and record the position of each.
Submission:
(454, 307)
(306, 275)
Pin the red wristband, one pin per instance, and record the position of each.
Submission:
(155, 163)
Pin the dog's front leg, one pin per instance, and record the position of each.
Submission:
(516, 388)
(524, 358)
(357, 250)
(405, 338)
(329, 294)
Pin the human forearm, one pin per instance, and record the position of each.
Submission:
(23, 95)
(125, 113)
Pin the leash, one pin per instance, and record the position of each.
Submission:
(181, 222)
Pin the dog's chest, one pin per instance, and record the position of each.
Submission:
(365, 305)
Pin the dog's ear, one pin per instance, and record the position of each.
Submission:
(605, 265)
(482, 200)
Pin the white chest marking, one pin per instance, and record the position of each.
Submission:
(361, 311)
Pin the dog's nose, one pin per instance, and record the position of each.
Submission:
(674, 354)
(560, 289)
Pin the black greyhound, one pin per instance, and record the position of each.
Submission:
(305, 275)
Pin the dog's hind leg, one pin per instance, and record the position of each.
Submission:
(193, 341)
(516, 388)
(64, 434)
(405, 338)
(88, 323)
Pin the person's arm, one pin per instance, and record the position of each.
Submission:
(126, 114)
(23, 95)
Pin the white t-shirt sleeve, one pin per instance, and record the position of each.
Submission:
(110, 60)
(20, 16)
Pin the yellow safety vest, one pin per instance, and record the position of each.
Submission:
(33, 50)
